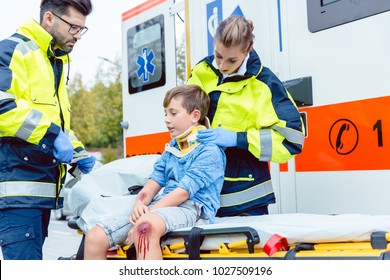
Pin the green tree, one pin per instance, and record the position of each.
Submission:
(83, 121)
(109, 107)
(181, 61)
(96, 112)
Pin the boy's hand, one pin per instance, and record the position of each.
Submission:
(138, 210)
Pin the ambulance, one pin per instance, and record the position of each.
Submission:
(333, 56)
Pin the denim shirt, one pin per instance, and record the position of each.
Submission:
(201, 173)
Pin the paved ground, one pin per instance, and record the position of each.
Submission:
(62, 241)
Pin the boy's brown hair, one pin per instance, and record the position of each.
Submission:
(193, 98)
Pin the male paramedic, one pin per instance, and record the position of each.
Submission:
(35, 136)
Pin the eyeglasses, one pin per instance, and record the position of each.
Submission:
(74, 29)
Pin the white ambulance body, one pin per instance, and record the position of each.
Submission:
(335, 55)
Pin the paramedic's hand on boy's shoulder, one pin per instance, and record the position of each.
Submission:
(217, 136)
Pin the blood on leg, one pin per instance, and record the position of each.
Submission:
(144, 230)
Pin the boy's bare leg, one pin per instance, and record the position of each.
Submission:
(96, 244)
(146, 236)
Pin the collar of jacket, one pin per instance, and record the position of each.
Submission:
(253, 66)
(35, 32)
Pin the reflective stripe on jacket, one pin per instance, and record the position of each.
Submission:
(34, 106)
(268, 125)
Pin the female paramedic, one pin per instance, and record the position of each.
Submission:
(251, 114)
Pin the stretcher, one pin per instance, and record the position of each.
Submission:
(275, 236)
(235, 238)
(283, 237)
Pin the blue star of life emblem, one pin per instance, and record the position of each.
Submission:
(146, 66)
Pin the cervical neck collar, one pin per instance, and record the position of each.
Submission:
(188, 137)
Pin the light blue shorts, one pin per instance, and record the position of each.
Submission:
(186, 214)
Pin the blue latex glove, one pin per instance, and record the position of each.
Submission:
(218, 136)
(85, 165)
(63, 149)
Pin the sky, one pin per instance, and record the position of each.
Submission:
(103, 38)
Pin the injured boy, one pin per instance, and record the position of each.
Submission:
(183, 189)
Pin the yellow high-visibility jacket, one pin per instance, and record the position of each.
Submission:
(268, 125)
(34, 106)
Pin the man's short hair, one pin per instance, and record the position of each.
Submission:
(61, 7)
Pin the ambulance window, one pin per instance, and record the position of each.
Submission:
(146, 55)
(324, 14)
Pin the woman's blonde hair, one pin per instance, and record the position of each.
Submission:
(236, 31)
